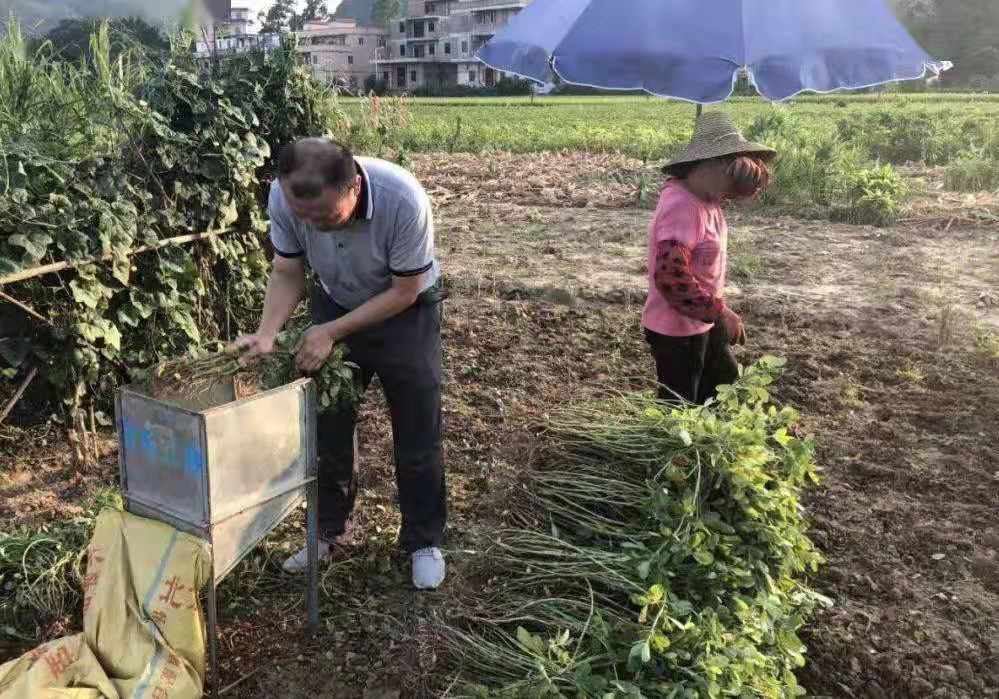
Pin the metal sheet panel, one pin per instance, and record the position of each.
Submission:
(162, 457)
(235, 537)
(258, 448)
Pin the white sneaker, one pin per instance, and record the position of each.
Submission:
(299, 563)
(428, 569)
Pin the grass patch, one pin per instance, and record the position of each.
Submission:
(815, 170)
(919, 135)
(911, 372)
(651, 129)
(987, 343)
(972, 174)
(744, 264)
(41, 571)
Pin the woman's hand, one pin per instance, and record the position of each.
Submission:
(315, 348)
(251, 347)
(733, 325)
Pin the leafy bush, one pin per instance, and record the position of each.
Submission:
(107, 159)
(510, 87)
(904, 135)
(972, 173)
(373, 85)
(814, 168)
(811, 165)
(670, 561)
(377, 124)
(873, 196)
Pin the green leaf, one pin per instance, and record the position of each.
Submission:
(121, 268)
(14, 350)
(112, 337)
(643, 569)
(656, 594)
(88, 331)
(704, 558)
(660, 642)
(529, 641)
(35, 245)
(641, 654)
(127, 316)
(88, 295)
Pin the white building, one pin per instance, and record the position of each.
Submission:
(233, 33)
(341, 50)
(434, 45)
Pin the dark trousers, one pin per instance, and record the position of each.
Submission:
(693, 367)
(405, 353)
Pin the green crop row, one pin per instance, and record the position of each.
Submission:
(650, 129)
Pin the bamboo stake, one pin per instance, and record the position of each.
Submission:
(27, 309)
(75, 439)
(20, 392)
(60, 266)
(93, 435)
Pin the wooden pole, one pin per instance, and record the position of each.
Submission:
(27, 309)
(60, 266)
(20, 392)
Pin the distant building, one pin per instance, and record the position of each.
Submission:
(232, 32)
(212, 14)
(341, 50)
(239, 22)
(434, 45)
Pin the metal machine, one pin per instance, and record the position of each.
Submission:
(225, 470)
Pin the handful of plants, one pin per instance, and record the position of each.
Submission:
(191, 376)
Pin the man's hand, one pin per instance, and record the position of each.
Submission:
(315, 348)
(733, 325)
(251, 347)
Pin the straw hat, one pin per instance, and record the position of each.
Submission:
(715, 136)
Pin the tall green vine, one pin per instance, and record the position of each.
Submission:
(102, 166)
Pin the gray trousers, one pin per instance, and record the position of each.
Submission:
(405, 353)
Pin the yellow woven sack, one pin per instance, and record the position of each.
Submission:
(143, 636)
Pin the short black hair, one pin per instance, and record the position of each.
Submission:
(311, 165)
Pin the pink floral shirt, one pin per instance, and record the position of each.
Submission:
(687, 259)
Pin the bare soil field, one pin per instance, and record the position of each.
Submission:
(890, 336)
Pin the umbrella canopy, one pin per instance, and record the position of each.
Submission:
(694, 49)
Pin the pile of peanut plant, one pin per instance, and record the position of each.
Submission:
(669, 560)
(189, 376)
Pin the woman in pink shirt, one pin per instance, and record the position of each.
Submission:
(687, 323)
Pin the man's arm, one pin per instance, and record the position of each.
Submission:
(285, 289)
(400, 296)
(319, 340)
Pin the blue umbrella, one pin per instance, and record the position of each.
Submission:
(695, 49)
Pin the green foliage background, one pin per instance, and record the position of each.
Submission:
(106, 157)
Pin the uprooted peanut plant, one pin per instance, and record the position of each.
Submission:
(669, 556)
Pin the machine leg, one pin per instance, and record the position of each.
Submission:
(312, 543)
(213, 638)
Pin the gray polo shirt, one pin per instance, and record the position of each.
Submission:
(392, 234)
